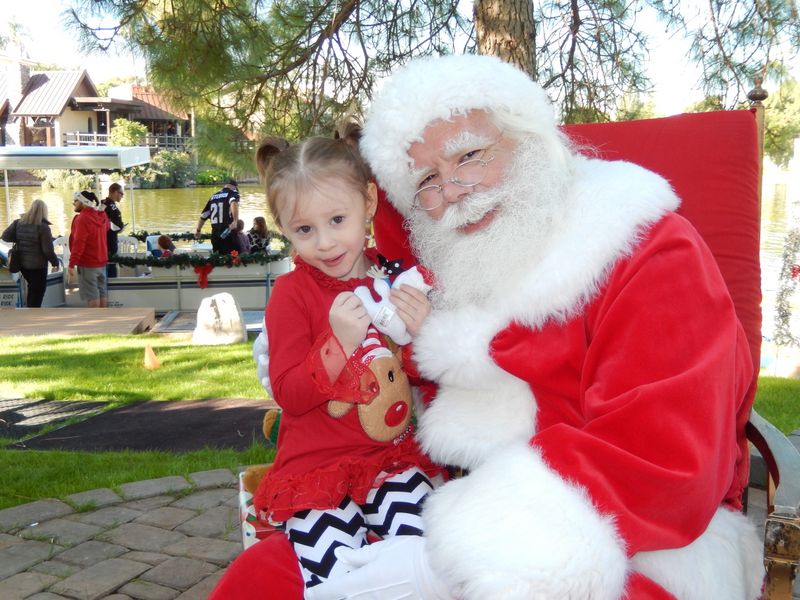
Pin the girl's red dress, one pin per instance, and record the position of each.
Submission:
(320, 459)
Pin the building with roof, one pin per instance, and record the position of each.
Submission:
(63, 108)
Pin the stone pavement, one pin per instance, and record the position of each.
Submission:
(154, 540)
(159, 539)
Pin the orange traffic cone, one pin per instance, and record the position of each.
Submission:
(150, 359)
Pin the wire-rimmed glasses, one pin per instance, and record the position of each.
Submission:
(468, 173)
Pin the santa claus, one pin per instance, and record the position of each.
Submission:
(590, 367)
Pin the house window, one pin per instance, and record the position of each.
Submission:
(90, 125)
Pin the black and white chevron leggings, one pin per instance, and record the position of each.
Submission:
(392, 509)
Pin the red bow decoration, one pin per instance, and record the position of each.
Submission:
(795, 271)
(202, 272)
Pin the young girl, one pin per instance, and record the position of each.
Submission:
(165, 246)
(259, 235)
(336, 475)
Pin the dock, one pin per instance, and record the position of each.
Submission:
(75, 321)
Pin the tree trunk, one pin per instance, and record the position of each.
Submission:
(506, 29)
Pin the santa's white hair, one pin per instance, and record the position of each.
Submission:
(439, 88)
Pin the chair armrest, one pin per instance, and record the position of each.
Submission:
(782, 460)
(782, 526)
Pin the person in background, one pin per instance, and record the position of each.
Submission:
(114, 215)
(258, 236)
(242, 239)
(222, 209)
(165, 246)
(88, 246)
(31, 233)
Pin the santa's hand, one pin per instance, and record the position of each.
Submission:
(392, 569)
(412, 305)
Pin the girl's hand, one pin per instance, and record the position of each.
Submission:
(349, 321)
(413, 307)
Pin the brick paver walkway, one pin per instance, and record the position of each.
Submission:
(159, 539)
(154, 540)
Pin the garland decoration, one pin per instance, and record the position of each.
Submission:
(187, 236)
(790, 273)
(185, 261)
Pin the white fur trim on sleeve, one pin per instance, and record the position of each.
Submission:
(452, 347)
(513, 529)
(464, 427)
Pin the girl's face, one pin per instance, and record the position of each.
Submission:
(326, 226)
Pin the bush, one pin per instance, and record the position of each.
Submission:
(211, 177)
(64, 179)
(168, 168)
(126, 133)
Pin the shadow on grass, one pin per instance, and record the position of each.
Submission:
(181, 426)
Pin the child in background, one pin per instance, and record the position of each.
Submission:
(259, 235)
(165, 246)
(331, 474)
(242, 242)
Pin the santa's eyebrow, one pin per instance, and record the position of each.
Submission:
(418, 174)
(466, 140)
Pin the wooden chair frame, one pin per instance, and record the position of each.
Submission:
(782, 526)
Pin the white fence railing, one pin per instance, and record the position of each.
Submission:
(153, 141)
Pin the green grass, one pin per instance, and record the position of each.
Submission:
(778, 401)
(110, 369)
(30, 475)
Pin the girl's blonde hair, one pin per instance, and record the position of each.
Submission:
(36, 213)
(289, 171)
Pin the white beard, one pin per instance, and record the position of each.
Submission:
(475, 268)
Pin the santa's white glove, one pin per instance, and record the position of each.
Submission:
(393, 569)
(261, 356)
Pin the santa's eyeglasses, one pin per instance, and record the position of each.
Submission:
(468, 173)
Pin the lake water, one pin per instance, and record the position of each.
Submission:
(177, 211)
(165, 210)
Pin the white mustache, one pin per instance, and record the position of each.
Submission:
(470, 209)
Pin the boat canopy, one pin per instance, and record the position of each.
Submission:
(93, 158)
(72, 157)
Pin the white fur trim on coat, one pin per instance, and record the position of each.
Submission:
(438, 88)
(513, 529)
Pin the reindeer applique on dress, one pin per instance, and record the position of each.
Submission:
(387, 414)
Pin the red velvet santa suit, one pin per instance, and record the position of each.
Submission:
(320, 458)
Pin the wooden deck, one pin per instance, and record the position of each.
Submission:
(75, 321)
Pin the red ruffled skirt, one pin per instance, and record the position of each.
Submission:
(278, 497)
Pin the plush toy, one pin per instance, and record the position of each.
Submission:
(254, 473)
(383, 313)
